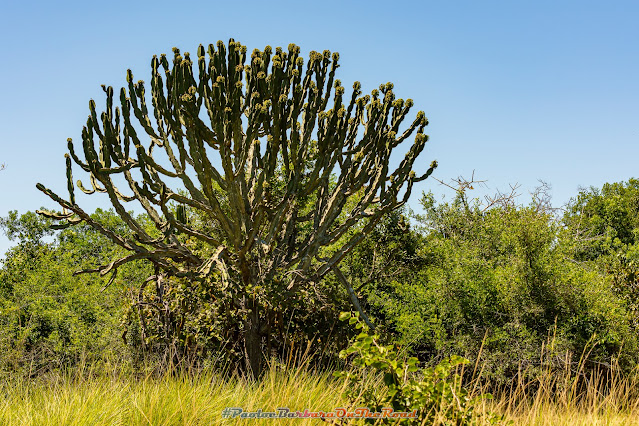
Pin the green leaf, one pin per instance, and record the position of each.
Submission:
(389, 379)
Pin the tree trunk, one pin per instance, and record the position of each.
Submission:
(253, 342)
(252, 336)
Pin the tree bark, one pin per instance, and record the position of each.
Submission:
(253, 341)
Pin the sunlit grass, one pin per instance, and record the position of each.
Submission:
(110, 398)
(179, 399)
(572, 398)
(570, 395)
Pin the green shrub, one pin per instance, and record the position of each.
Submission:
(49, 318)
(499, 284)
(435, 394)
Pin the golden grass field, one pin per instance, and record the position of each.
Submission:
(96, 397)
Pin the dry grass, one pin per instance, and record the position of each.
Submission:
(571, 397)
(566, 397)
(171, 400)
(565, 393)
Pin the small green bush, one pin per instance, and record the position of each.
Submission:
(435, 393)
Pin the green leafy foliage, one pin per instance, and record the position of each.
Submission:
(512, 286)
(501, 284)
(604, 220)
(435, 393)
(49, 318)
(604, 229)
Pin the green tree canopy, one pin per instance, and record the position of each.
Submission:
(605, 220)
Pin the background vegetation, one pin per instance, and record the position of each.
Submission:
(523, 291)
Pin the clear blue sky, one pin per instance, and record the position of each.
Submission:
(517, 91)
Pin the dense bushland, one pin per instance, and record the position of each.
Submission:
(503, 282)
(50, 318)
(517, 287)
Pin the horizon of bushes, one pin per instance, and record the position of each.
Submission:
(506, 285)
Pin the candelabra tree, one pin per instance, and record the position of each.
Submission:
(284, 173)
